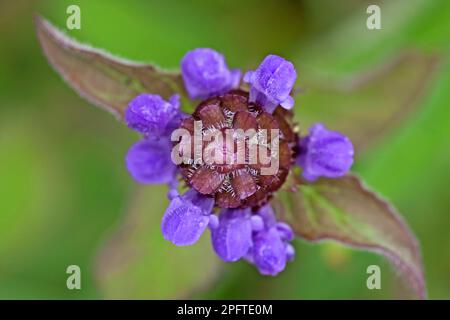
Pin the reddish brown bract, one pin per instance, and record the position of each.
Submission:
(235, 185)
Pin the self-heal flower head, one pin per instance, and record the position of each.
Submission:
(205, 74)
(186, 218)
(324, 153)
(271, 83)
(152, 116)
(232, 199)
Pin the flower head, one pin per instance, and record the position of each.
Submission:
(246, 149)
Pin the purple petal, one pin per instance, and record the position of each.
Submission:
(205, 204)
(269, 252)
(268, 216)
(213, 221)
(288, 103)
(285, 231)
(272, 82)
(149, 161)
(173, 193)
(290, 252)
(232, 239)
(150, 115)
(257, 222)
(205, 73)
(325, 153)
(185, 220)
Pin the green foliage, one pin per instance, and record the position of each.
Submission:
(138, 263)
(344, 210)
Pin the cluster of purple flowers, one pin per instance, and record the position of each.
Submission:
(252, 234)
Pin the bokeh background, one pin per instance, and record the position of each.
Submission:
(66, 198)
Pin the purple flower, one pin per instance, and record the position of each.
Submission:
(150, 115)
(186, 218)
(271, 250)
(290, 252)
(268, 216)
(149, 161)
(272, 82)
(257, 237)
(324, 153)
(232, 238)
(205, 74)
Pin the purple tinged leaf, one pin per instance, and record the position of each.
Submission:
(104, 80)
(346, 211)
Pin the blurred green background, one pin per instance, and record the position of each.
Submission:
(66, 198)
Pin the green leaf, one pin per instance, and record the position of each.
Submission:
(104, 80)
(137, 263)
(367, 105)
(346, 211)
